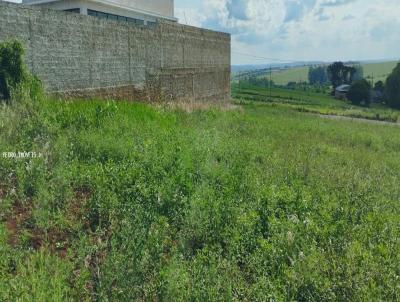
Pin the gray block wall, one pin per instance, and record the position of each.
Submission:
(84, 56)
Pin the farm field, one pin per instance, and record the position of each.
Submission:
(379, 71)
(296, 74)
(311, 102)
(135, 202)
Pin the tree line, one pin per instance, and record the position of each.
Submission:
(361, 90)
(336, 74)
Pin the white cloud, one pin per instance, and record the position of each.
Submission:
(300, 29)
(190, 16)
(305, 29)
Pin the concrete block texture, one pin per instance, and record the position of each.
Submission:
(81, 56)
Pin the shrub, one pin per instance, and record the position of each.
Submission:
(11, 67)
(379, 86)
(392, 88)
(360, 93)
(15, 80)
(318, 75)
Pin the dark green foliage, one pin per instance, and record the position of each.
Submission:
(360, 93)
(15, 81)
(341, 74)
(348, 74)
(335, 74)
(12, 69)
(291, 85)
(304, 86)
(317, 75)
(257, 81)
(379, 86)
(263, 83)
(392, 88)
(359, 73)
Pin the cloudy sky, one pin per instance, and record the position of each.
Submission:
(301, 29)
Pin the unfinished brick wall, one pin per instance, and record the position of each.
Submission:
(81, 56)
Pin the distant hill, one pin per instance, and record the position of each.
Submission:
(379, 71)
(256, 67)
(298, 72)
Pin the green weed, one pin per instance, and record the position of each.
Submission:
(132, 202)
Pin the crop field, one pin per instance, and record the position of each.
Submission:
(311, 102)
(295, 74)
(135, 202)
(379, 71)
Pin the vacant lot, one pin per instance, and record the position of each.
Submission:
(134, 202)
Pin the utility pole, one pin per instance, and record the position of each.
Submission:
(270, 81)
(266, 81)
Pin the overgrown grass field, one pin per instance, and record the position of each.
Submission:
(134, 202)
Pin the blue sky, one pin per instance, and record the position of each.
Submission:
(300, 29)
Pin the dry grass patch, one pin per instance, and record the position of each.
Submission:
(191, 106)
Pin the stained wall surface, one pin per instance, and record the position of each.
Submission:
(81, 56)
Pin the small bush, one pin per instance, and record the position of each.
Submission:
(15, 80)
(11, 67)
(392, 88)
(360, 93)
(379, 86)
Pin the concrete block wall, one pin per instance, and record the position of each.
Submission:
(84, 56)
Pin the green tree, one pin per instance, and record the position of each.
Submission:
(359, 73)
(348, 73)
(335, 72)
(379, 86)
(360, 93)
(12, 71)
(341, 74)
(392, 88)
(15, 80)
(317, 75)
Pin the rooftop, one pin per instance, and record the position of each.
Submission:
(155, 8)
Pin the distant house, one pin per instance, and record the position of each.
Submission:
(141, 12)
(341, 91)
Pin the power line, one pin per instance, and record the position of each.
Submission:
(264, 58)
(270, 82)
